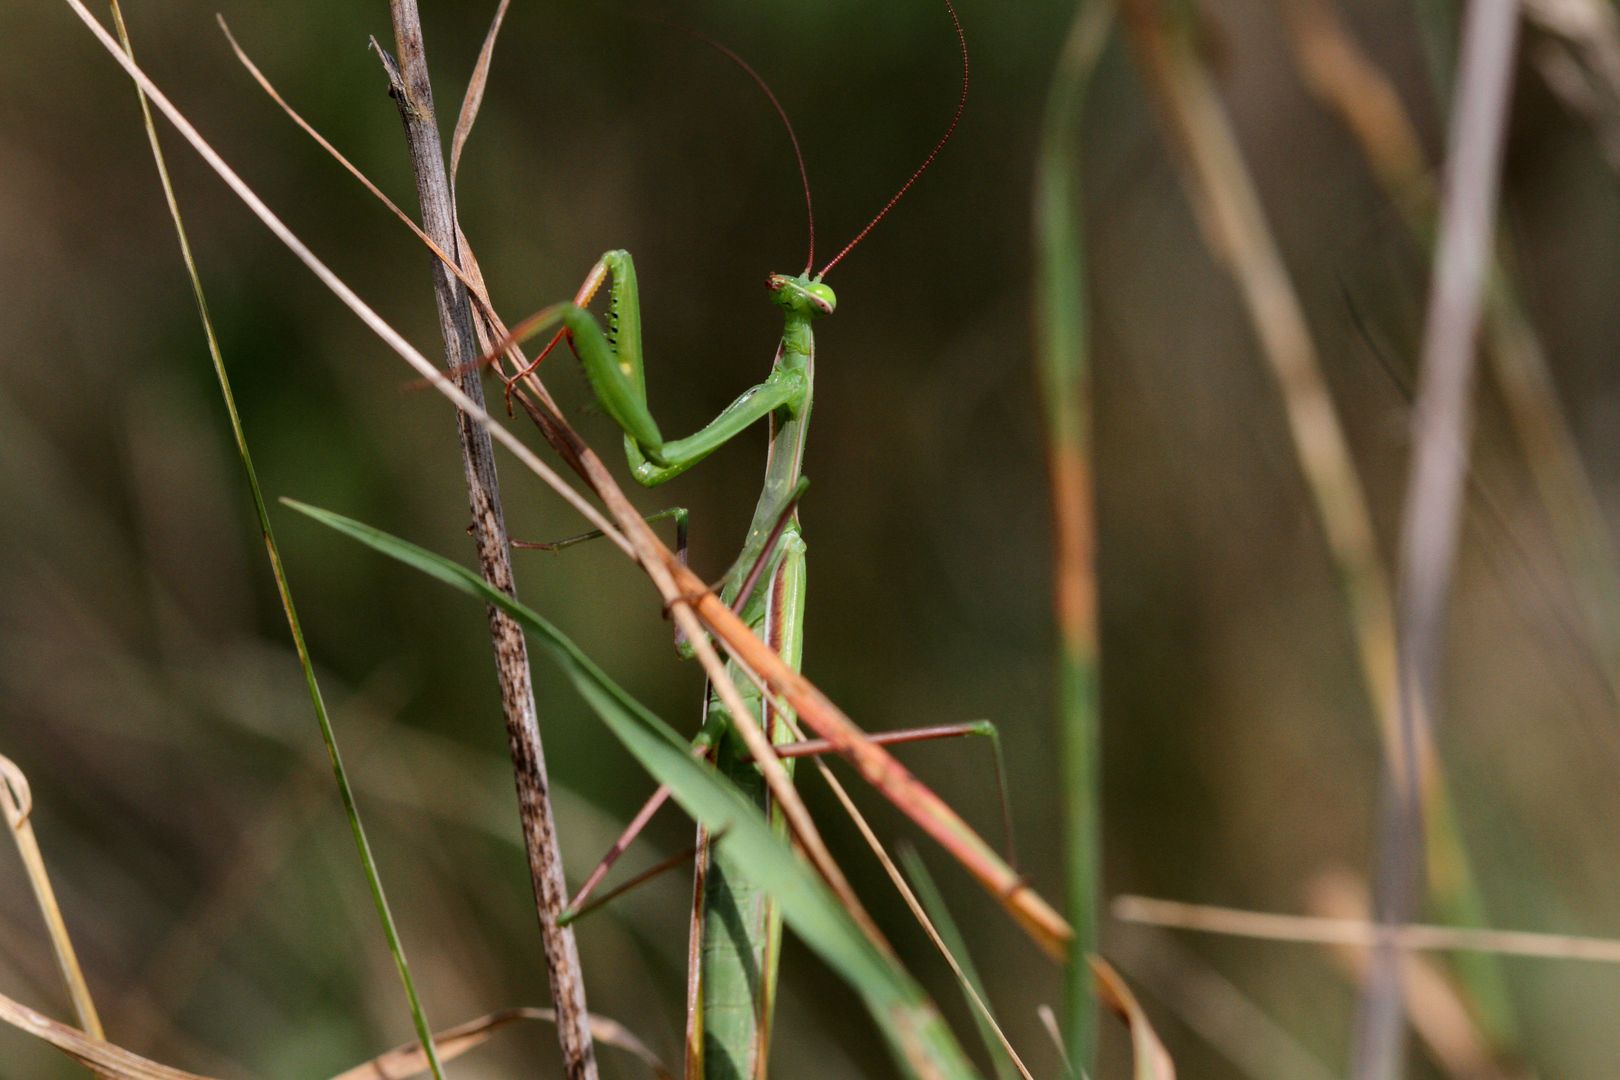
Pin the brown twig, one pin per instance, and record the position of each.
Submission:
(412, 91)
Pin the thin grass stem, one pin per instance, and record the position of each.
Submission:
(1063, 363)
(283, 590)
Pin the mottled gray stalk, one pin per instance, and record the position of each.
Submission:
(413, 92)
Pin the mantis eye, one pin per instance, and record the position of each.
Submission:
(826, 299)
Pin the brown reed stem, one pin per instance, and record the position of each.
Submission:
(413, 92)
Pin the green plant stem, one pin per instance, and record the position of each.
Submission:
(424, 1032)
(1061, 335)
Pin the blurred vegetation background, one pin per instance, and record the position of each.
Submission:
(147, 685)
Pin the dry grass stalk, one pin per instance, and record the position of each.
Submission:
(1351, 85)
(1152, 1059)
(1235, 228)
(103, 1058)
(408, 1060)
(1431, 519)
(16, 800)
(1362, 933)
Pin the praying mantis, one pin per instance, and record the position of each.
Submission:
(736, 927)
(769, 592)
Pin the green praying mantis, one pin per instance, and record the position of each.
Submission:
(757, 612)
(737, 929)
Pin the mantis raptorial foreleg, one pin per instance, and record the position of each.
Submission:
(612, 361)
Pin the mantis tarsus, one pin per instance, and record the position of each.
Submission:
(737, 929)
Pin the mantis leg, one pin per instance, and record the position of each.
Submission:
(612, 360)
(677, 513)
(582, 904)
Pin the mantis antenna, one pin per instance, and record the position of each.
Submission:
(798, 155)
(961, 104)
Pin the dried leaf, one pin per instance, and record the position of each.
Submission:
(1152, 1059)
(408, 1060)
(103, 1057)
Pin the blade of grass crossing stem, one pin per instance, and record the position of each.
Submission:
(1060, 328)
(916, 1033)
(922, 882)
(362, 846)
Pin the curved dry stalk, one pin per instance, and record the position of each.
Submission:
(473, 99)
(408, 1060)
(104, 1058)
(17, 803)
(1152, 1059)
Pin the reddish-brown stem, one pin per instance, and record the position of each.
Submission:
(631, 831)
(678, 859)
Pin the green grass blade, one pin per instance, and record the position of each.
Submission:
(921, 1042)
(933, 902)
(1061, 336)
(424, 1031)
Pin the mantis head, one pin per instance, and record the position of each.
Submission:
(802, 294)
